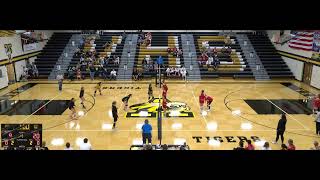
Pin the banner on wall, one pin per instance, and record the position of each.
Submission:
(29, 47)
(316, 46)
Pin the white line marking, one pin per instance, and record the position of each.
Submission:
(39, 108)
(285, 112)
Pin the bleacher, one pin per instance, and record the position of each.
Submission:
(160, 42)
(49, 55)
(275, 66)
(116, 49)
(234, 66)
(7, 33)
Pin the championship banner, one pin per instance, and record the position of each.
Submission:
(316, 46)
(8, 49)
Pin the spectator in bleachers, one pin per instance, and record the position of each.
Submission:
(35, 70)
(183, 73)
(135, 74)
(71, 72)
(180, 53)
(117, 60)
(210, 61)
(249, 146)
(79, 77)
(92, 70)
(81, 59)
(223, 50)
(139, 75)
(315, 146)
(104, 72)
(113, 74)
(251, 55)
(144, 63)
(176, 71)
(216, 62)
(229, 50)
(291, 146)
(60, 81)
(168, 71)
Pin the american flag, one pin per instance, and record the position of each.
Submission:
(302, 40)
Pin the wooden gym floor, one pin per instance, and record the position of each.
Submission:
(221, 123)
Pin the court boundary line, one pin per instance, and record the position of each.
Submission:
(285, 112)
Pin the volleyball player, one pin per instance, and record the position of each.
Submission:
(164, 105)
(125, 101)
(202, 99)
(97, 88)
(81, 96)
(72, 106)
(150, 92)
(164, 90)
(209, 100)
(114, 114)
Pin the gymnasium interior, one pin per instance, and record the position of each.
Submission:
(253, 76)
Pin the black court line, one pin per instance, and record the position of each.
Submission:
(254, 122)
(297, 89)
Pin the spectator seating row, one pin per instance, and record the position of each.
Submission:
(50, 54)
(275, 66)
(234, 65)
(160, 43)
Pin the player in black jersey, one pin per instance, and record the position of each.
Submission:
(72, 106)
(150, 92)
(125, 101)
(114, 114)
(81, 96)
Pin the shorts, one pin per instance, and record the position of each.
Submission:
(201, 104)
(115, 119)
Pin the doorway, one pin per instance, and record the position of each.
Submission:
(307, 73)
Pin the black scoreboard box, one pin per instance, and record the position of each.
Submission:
(21, 136)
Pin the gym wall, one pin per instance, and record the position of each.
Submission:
(295, 65)
(17, 50)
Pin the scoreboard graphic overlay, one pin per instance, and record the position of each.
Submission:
(21, 136)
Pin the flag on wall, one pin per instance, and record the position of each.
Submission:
(302, 40)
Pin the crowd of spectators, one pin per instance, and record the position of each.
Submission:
(30, 71)
(90, 61)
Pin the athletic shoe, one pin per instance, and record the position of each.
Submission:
(273, 142)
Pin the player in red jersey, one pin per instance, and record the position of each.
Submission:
(209, 100)
(202, 99)
(164, 90)
(164, 105)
